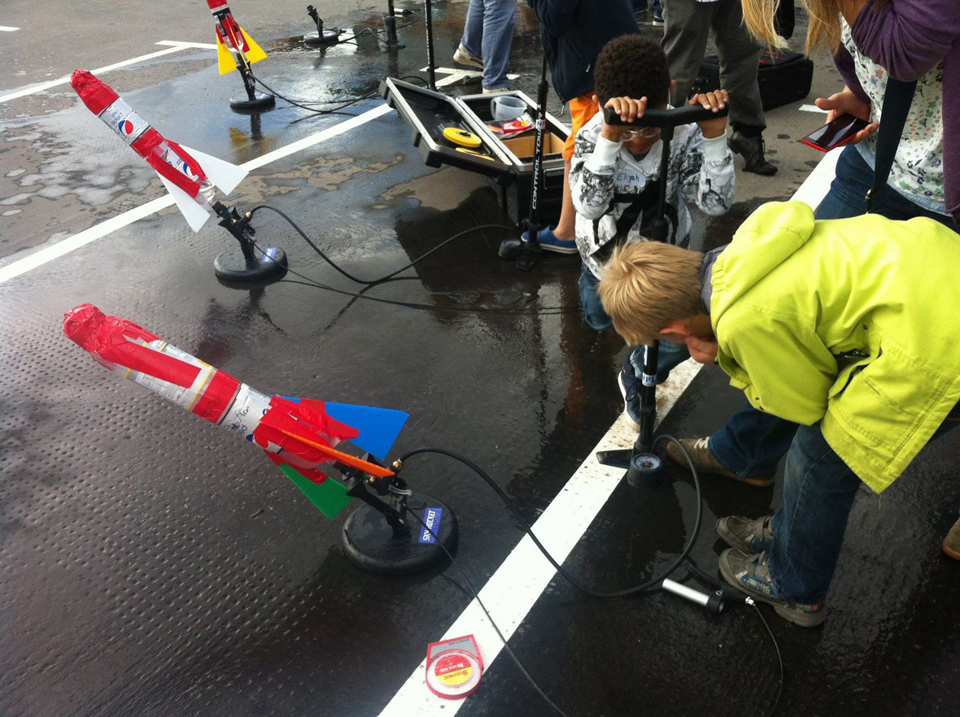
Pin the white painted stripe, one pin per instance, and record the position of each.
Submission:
(4, 28)
(198, 45)
(33, 89)
(519, 581)
(812, 108)
(817, 183)
(101, 230)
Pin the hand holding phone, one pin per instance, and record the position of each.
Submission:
(837, 133)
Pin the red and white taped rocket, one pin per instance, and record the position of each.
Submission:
(190, 176)
(231, 36)
(298, 435)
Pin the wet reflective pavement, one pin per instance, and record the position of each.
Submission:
(152, 567)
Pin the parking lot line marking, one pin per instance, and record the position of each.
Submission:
(198, 45)
(517, 584)
(812, 108)
(4, 28)
(33, 89)
(111, 225)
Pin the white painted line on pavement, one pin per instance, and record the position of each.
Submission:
(101, 230)
(812, 108)
(33, 89)
(512, 590)
(198, 45)
(4, 28)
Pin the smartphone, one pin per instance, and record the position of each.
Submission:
(834, 134)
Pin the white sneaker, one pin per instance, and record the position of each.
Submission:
(497, 91)
(461, 56)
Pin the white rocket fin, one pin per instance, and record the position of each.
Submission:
(195, 214)
(223, 174)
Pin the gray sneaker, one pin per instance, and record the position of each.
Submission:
(750, 574)
(751, 535)
(462, 57)
(699, 450)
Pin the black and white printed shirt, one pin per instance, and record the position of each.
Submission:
(700, 170)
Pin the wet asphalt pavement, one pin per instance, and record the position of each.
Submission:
(151, 566)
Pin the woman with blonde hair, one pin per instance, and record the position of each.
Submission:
(871, 41)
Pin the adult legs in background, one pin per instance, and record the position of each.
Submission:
(488, 33)
(688, 24)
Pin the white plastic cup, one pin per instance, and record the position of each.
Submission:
(505, 108)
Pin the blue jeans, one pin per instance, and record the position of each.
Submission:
(488, 33)
(671, 354)
(818, 493)
(753, 442)
(847, 195)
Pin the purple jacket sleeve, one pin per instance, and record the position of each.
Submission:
(908, 37)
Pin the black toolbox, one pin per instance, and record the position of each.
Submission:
(507, 162)
(783, 76)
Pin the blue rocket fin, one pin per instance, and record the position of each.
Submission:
(379, 427)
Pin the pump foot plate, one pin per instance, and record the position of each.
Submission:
(232, 267)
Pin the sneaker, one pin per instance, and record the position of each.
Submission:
(750, 535)
(699, 450)
(750, 574)
(752, 149)
(630, 390)
(657, 14)
(495, 90)
(462, 57)
(548, 242)
(951, 544)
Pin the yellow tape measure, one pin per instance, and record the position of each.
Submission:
(461, 137)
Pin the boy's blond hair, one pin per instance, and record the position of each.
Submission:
(646, 285)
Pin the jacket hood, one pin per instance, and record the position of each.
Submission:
(765, 240)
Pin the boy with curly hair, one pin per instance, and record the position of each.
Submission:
(615, 179)
(845, 327)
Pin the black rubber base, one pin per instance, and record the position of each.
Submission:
(372, 545)
(330, 37)
(232, 267)
(259, 103)
(510, 248)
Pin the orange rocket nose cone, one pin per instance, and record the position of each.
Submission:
(81, 324)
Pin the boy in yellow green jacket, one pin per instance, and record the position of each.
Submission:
(846, 327)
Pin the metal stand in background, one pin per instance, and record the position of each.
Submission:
(242, 265)
(431, 63)
(390, 25)
(320, 38)
(527, 252)
(641, 463)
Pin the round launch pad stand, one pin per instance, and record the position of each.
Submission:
(375, 544)
(243, 264)
(320, 38)
(254, 101)
(383, 536)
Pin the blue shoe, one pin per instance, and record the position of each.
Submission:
(548, 242)
(630, 390)
(657, 14)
